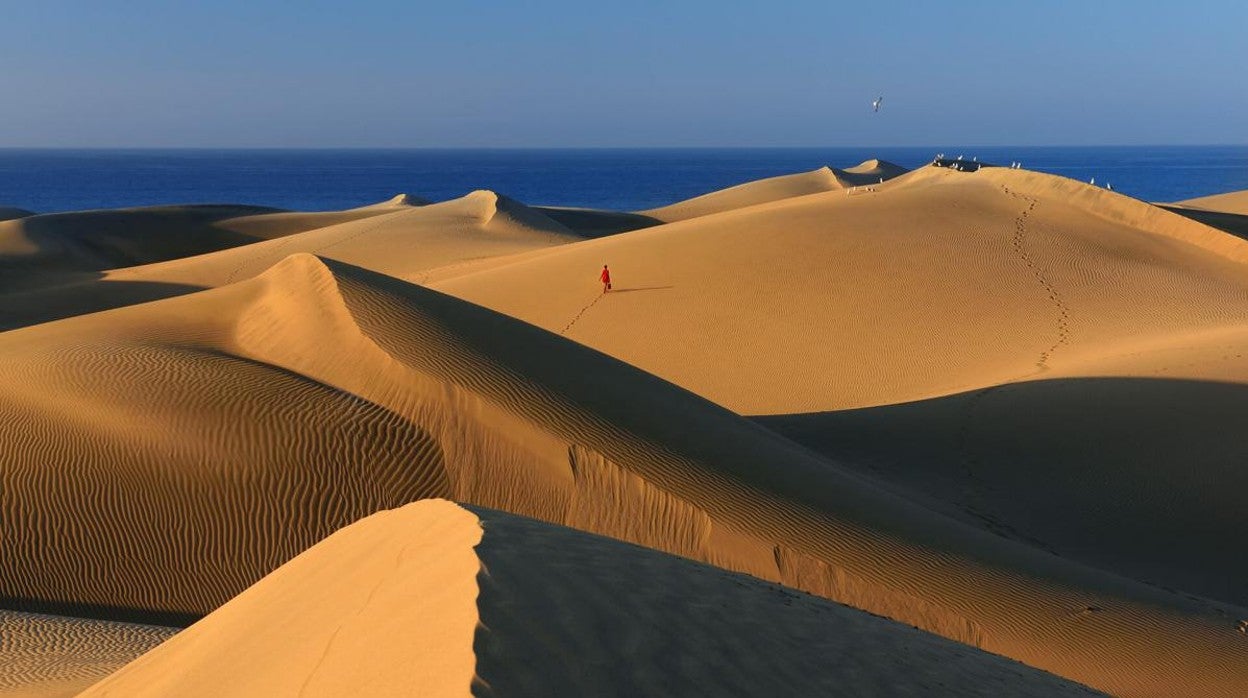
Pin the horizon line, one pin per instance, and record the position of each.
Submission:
(333, 148)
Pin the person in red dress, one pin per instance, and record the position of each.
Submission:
(606, 279)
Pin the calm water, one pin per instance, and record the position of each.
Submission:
(62, 180)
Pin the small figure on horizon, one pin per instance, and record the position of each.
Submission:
(605, 277)
(1109, 186)
(1092, 181)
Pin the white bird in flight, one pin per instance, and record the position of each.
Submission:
(875, 104)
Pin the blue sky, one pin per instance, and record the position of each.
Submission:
(315, 73)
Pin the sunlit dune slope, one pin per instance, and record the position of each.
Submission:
(166, 456)
(1230, 202)
(437, 600)
(936, 282)
(1032, 355)
(778, 188)
(38, 250)
(395, 238)
(1233, 223)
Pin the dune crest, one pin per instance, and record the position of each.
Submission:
(384, 607)
(303, 399)
(436, 599)
(507, 213)
(832, 302)
(8, 213)
(1230, 202)
(772, 189)
(409, 242)
(399, 200)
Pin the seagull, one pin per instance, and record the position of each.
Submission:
(875, 104)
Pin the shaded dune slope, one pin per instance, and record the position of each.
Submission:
(338, 391)
(777, 188)
(936, 283)
(989, 343)
(434, 599)
(1230, 202)
(1234, 223)
(8, 213)
(49, 249)
(1142, 476)
(395, 238)
(593, 223)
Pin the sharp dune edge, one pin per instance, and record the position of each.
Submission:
(912, 332)
(777, 188)
(8, 213)
(408, 242)
(460, 593)
(1231, 202)
(973, 304)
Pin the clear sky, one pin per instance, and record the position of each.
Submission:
(321, 73)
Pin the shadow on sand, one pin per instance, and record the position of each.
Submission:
(1145, 477)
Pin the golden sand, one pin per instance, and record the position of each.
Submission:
(998, 406)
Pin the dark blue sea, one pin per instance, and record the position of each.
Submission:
(63, 180)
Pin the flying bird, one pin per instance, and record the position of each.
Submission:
(875, 104)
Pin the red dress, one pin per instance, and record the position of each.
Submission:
(606, 276)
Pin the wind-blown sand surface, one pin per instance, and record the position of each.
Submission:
(1022, 390)
(1118, 328)
(459, 595)
(47, 656)
(395, 238)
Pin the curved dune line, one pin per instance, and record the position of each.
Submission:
(504, 403)
(436, 600)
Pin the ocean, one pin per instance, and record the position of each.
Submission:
(624, 179)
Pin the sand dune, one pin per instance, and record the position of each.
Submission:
(437, 600)
(1230, 202)
(777, 188)
(592, 223)
(927, 333)
(45, 656)
(395, 238)
(1233, 223)
(302, 399)
(49, 249)
(936, 283)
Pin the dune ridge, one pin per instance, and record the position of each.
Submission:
(922, 333)
(402, 240)
(1230, 202)
(897, 275)
(8, 213)
(500, 414)
(458, 593)
(51, 249)
(777, 188)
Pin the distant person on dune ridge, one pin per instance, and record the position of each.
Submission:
(605, 277)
